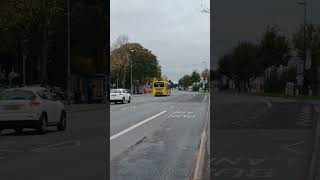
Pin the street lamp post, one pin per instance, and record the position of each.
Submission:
(131, 85)
(304, 4)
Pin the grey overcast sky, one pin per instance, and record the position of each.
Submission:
(239, 20)
(176, 31)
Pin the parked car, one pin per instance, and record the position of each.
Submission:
(31, 107)
(120, 95)
(61, 94)
(129, 91)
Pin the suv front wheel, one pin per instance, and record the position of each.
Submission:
(63, 122)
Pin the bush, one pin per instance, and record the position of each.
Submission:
(275, 84)
(196, 87)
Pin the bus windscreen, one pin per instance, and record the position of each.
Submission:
(158, 84)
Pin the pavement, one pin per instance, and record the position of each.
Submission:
(261, 138)
(85, 107)
(156, 137)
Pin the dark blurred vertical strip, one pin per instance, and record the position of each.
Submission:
(212, 88)
(108, 89)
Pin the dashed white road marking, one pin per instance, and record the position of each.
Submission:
(269, 104)
(127, 108)
(305, 117)
(292, 145)
(135, 126)
(182, 114)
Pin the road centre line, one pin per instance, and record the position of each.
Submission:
(135, 126)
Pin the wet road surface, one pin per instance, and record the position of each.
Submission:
(78, 153)
(261, 138)
(162, 148)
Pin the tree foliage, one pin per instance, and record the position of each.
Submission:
(274, 48)
(38, 29)
(205, 74)
(186, 81)
(145, 65)
(195, 76)
(226, 66)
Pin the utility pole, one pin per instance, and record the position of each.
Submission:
(117, 83)
(69, 71)
(24, 70)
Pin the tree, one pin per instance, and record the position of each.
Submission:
(274, 49)
(119, 64)
(29, 23)
(205, 74)
(164, 77)
(89, 37)
(145, 65)
(195, 76)
(120, 41)
(186, 81)
(245, 62)
(226, 66)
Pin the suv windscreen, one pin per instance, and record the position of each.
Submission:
(115, 91)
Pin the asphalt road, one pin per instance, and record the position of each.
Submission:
(261, 138)
(164, 147)
(78, 153)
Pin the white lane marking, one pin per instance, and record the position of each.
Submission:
(135, 126)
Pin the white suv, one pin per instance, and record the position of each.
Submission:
(120, 95)
(31, 107)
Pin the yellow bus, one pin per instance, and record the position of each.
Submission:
(161, 88)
